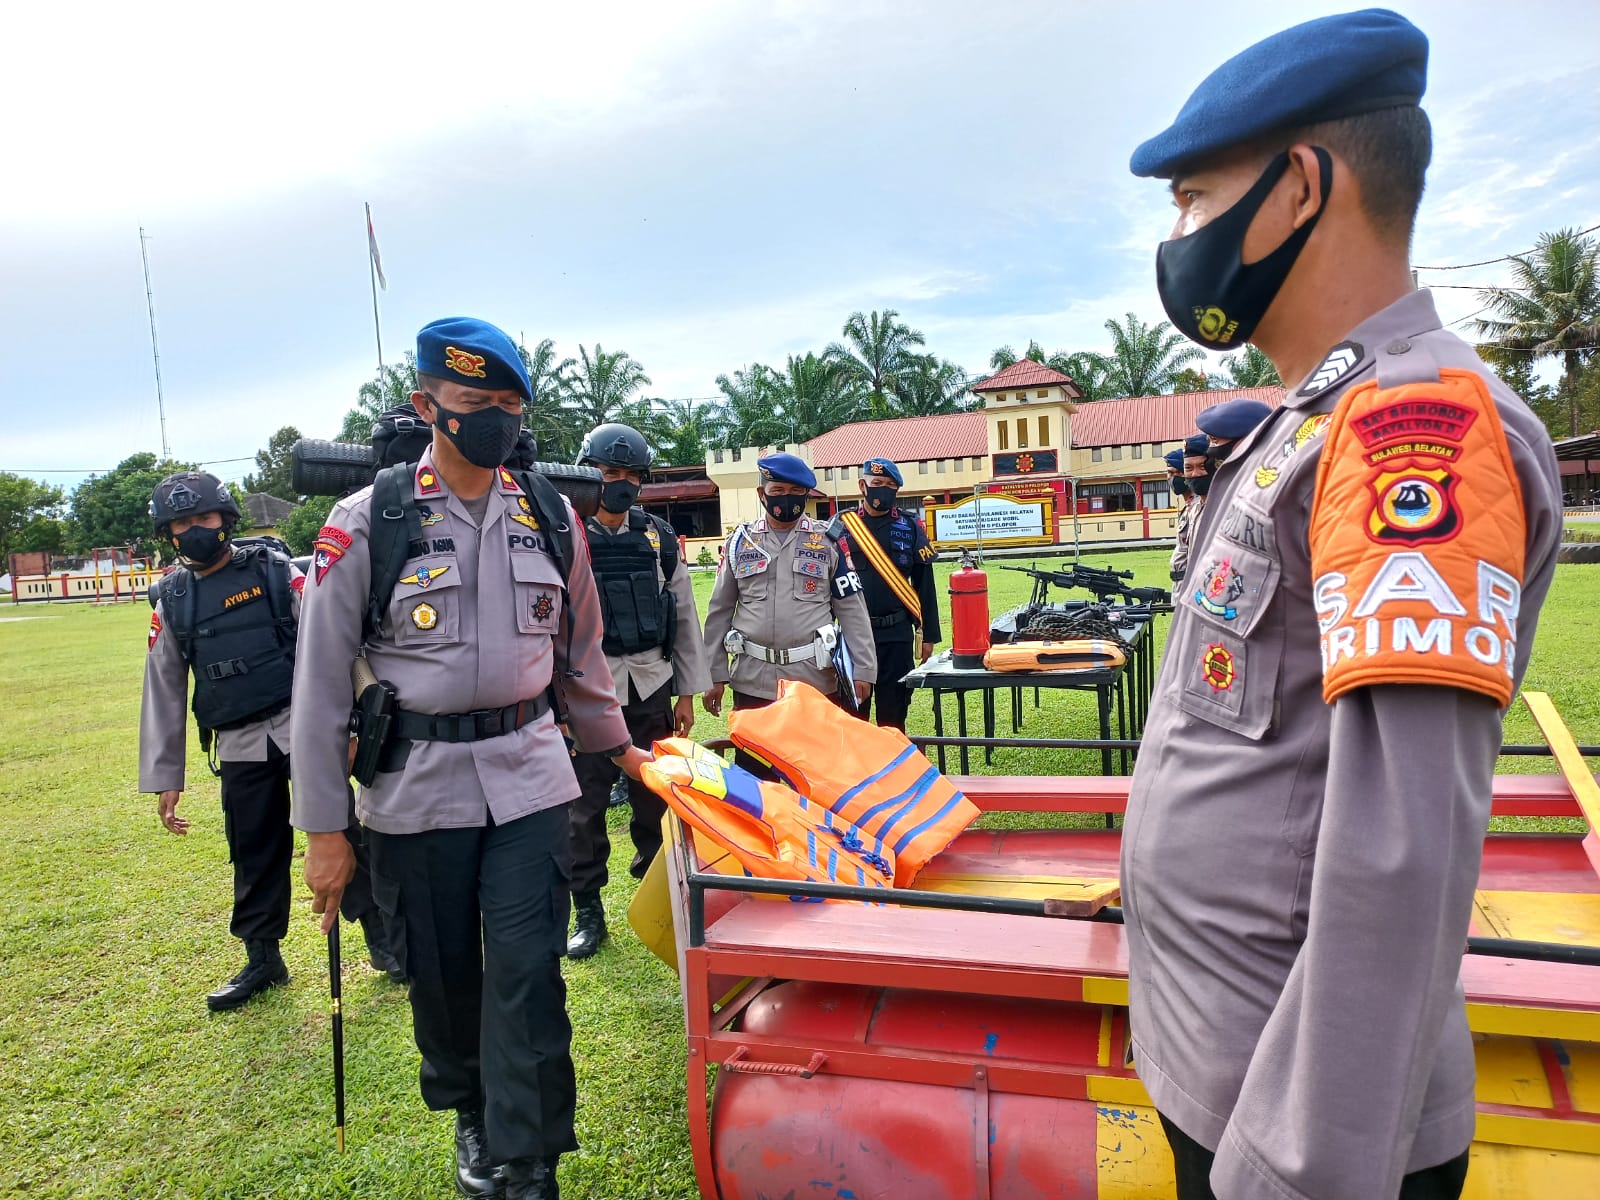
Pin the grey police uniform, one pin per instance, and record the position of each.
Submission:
(774, 590)
(469, 839)
(645, 682)
(1302, 1014)
(1179, 562)
(253, 756)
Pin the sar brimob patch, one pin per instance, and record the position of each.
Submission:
(155, 629)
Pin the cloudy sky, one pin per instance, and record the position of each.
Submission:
(704, 184)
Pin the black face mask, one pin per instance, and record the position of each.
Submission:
(784, 508)
(1218, 454)
(1211, 294)
(202, 546)
(1180, 487)
(881, 499)
(618, 495)
(485, 437)
(1200, 485)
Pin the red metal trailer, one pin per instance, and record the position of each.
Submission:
(894, 1050)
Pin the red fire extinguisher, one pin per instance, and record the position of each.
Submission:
(969, 615)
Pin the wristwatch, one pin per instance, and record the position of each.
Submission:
(618, 751)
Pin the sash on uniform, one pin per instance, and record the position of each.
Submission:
(883, 564)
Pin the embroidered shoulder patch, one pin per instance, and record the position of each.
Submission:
(155, 629)
(1417, 540)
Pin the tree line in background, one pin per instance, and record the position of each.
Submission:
(879, 368)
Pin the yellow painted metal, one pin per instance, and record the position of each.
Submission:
(1510, 1071)
(1540, 1133)
(1109, 991)
(1527, 1173)
(1023, 887)
(1565, 1023)
(1573, 769)
(1103, 1054)
(1132, 1158)
(1571, 918)
(1583, 1076)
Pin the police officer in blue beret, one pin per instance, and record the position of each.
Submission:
(891, 552)
(1299, 861)
(493, 613)
(786, 591)
(1232, 419)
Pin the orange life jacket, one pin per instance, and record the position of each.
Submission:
(1076, 654)
(871, 776)
(770, 830)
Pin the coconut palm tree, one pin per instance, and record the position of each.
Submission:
(598, 385)
(553, 426)
(376, 396)
(816, 395)
(1552, 308)
(751, 411)
(874, 351)
(1145, 358)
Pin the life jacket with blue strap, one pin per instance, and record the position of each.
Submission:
(871, 776)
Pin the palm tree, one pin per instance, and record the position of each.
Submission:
(1145, 358)
(686, 429)
(1551, 308)
(1250, 368)
(874, 351)
(927, 386)
(1084, 367)
(391, 389)
(751, 412)
(553, 426)
(600, 384)
(816, 395)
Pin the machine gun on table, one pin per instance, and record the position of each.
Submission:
(1104, 582)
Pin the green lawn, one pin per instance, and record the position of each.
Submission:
(116, 1081)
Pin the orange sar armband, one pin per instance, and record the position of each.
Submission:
(1418, 539)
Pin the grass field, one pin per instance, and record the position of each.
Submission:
(116, 1082)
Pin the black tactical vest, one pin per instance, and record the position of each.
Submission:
(236, 630)
(639, 612)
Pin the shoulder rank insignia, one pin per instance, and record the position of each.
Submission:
(427, 481)
(424, 576)
(653, 536)
(508, 482)
(464, 362)
(429, 517)
(525, 517)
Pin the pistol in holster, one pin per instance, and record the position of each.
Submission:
(372, 720)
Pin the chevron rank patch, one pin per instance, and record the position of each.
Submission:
(1341, 360)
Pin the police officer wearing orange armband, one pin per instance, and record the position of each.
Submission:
(1299, 860)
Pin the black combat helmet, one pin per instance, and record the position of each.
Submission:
(188, 494)
(616, 445)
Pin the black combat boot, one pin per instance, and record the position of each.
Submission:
(375, 928)
(532, 1179)
(476, 1174)
(264, 969)
(589, 930)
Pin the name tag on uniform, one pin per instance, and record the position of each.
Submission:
(814, 564)
(750, 559)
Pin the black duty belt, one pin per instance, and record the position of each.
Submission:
(469, 726)
(890, 620)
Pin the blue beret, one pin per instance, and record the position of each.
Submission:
(1232, 418)
(1195, 446)
(883, 468)
(1174, 459)
(474, 354)
(1319, 71)
(786, 468)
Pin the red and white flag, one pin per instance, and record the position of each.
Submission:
(372, 246)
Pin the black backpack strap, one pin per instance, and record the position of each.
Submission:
(181, 606)
(279, 594)
(551, 512)
(670, 556)
(394, 524)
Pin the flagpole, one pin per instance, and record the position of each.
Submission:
(155, 349)
(372, 276)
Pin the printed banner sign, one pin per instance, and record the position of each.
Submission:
(1005, 521)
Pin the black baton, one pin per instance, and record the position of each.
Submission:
(338, 1033)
